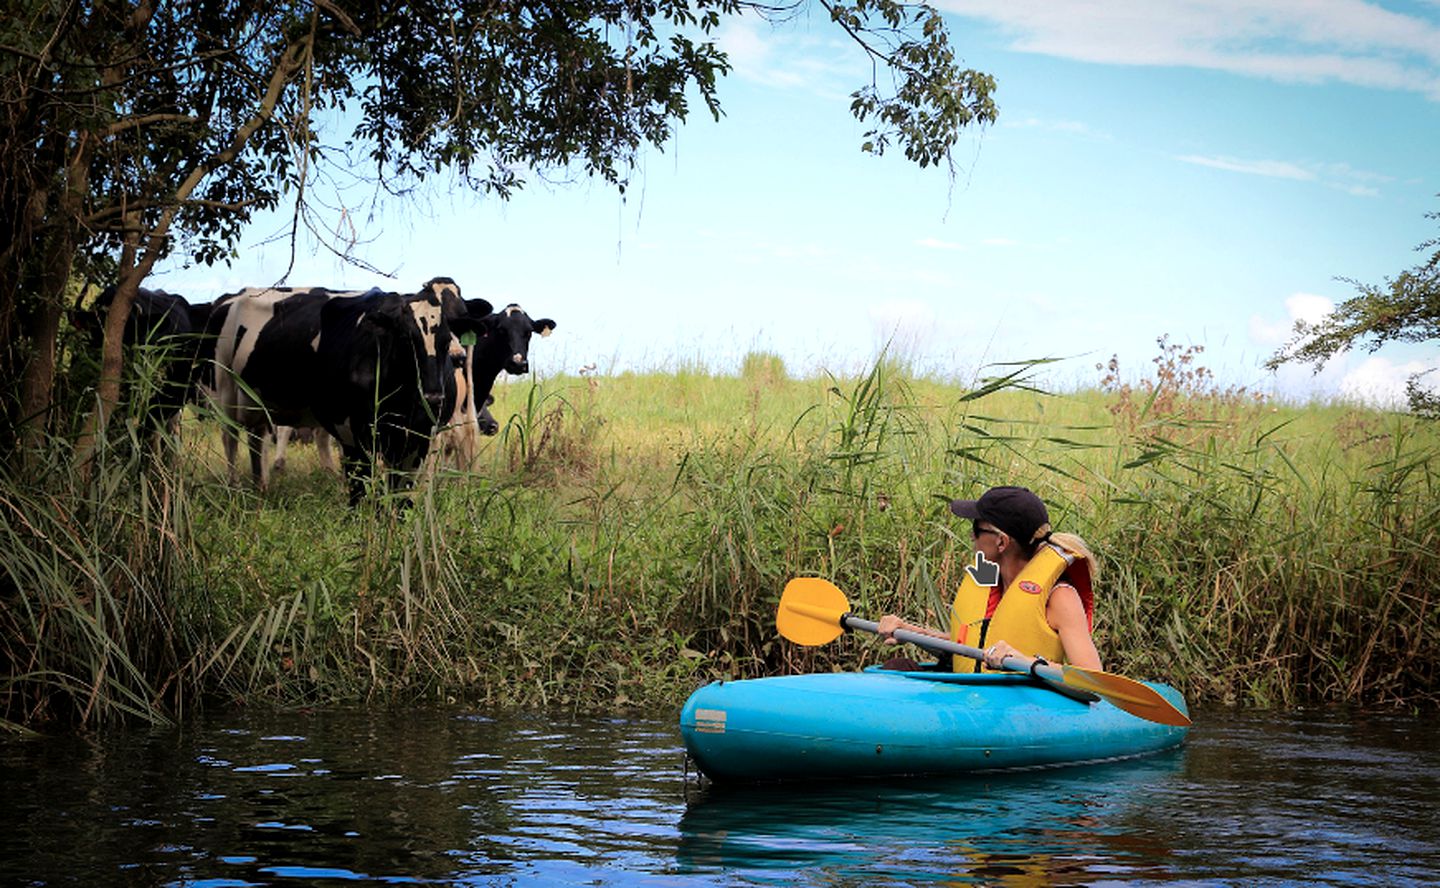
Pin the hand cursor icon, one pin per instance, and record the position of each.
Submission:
(985, 572)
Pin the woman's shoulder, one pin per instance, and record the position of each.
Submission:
(1063, 593)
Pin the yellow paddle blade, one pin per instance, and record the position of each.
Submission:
(1125, 693)
(810, 611)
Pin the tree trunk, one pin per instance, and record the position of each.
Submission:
(112, 353)
(38, 384)
(133, 270)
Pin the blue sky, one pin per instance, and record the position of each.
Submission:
(1205, 170)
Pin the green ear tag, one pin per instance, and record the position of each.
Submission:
(468, 339)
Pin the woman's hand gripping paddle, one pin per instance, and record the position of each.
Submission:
(814, 611)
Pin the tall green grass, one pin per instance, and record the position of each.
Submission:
(627, 537)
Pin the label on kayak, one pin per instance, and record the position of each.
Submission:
(710, 721)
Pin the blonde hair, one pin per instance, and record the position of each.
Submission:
(1073, 544)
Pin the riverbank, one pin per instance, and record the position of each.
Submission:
(626, 538)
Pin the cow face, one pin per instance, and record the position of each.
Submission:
(419, 322)
(430, 337)
(155, 315)
(512, 329)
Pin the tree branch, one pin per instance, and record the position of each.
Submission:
(339, 15)
(121, 126)
(100, 219)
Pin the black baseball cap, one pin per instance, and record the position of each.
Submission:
(1015, 510)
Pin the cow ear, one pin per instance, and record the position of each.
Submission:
(467, 324)
(544, 326)
(478, 308)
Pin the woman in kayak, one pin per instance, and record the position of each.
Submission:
(1039, 607)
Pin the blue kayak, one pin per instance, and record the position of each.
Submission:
(883, 722)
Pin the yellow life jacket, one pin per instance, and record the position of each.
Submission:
(1019, 618)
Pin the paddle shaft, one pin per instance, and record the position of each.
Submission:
(945, 646)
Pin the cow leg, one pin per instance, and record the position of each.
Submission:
(282, 441)
(439, 448)
(467, 445)
(166, 440)
(356, 464)
(398, 481)
(259, 472)
(230, 442)
(324, 451)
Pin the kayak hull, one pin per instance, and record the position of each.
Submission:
(881, 723)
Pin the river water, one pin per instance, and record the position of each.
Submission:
(465, 798)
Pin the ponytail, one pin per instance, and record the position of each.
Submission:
(1073, 544)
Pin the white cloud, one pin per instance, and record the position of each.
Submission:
(744, 45)
(1305, 41)
(906, 325)
(1306, 307)
(1376, 380)
(935, 243)
(1341, 176)
(1069, 127)
(1381, 382)
(1276, 169)
(786, 56)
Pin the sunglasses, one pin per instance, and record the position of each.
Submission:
(976, 531)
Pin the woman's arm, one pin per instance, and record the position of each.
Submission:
(1066, 615)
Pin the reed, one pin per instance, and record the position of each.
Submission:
(91, 564)
(626, 537)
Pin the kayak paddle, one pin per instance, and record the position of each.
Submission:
(813, 611)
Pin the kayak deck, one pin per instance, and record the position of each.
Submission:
(881, 722)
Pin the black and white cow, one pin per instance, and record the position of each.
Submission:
(369, 368)
(503, 343)
(173, 329)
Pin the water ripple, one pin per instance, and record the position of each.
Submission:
(472, 799)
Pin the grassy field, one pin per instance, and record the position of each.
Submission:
(626, 538)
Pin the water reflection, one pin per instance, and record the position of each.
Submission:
(1253, 799)
(1033, 828)
(359, 797)
(450, 798)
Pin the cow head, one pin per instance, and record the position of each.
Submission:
(448, 292)
(511, 329)
(419, 321)
(443, 288)
(154, 316)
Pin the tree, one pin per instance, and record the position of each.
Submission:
(1403, 309)
(129, 130)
